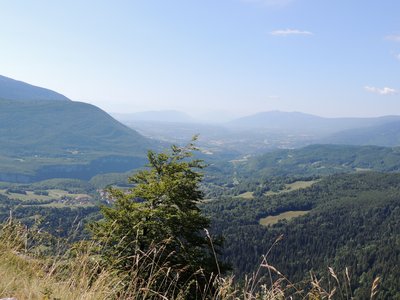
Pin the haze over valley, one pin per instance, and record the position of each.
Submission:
(266, 131)
(233, 149)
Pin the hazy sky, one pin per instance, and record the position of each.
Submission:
(331, 58)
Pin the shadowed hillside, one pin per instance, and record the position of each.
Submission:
(44, 138)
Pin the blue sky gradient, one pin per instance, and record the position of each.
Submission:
(330, 58)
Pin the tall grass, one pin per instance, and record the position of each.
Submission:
(77, 273)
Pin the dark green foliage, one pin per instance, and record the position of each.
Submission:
(15, 191)
(317, 160)
(273, 170)
(160, 212)
(354, 222)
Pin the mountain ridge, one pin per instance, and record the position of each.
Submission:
(387, 134)
(46, 138)
(11, 89)
(298, 121)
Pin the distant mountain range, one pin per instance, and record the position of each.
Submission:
(306, 123)
(43, 135)
(387, 134)
(274, 121)
(266, 131)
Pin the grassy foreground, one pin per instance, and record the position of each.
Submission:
(26, 272)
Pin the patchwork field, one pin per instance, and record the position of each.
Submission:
(52, 198)
(288, 215)
(297, 185)
(246, 195)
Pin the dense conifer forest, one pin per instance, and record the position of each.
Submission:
(353, 222)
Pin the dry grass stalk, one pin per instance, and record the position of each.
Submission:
(374, 288)
(78, 274)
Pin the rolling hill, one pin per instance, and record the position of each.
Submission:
(319, 160)
(44, 138)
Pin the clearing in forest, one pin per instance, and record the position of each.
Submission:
(287, 215)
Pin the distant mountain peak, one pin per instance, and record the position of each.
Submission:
(11, 89)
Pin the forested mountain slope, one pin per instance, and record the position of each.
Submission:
(55, 128)
(322, 160)
(353, 221)
(43, 138)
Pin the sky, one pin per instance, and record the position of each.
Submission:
(217, 58)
